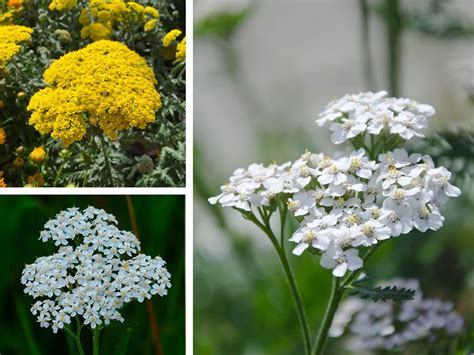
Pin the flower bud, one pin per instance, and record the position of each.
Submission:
(65, 153)
(18, 163)
(145, 164)
(3, 136)
(38, 155)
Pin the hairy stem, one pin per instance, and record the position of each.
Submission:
(77, 337)
(155, 332)
(393, 20)
(334, 299)
(367, 59)
(106, 159)
(337, 293)
(95, 340)
(265, 227)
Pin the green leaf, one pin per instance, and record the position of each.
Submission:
(221, 25)
(383, 293)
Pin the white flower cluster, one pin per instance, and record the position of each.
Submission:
(96, 270)
(351, 201)
(391, 326)
(347, 202)
(371, 112)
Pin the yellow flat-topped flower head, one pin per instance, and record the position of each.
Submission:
(105, 85)
(10, 38)
(62, 5)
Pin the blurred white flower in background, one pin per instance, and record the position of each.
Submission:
(390, 325)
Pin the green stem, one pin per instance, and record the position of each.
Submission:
(334, 299)
(265, 227)
(297, 299)
(76, 336)
(367, 59)
(56, 179)
(106, 158)
(393, 20)
(337, 292)
(95, 340)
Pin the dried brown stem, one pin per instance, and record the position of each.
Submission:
(155, 331)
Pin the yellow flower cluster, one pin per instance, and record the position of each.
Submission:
(10, 36)
(62, 5)
(170, 37)
(102, 16)
(104, 84)
(172, 49)
(181, 50)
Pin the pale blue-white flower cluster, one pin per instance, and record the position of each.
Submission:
(390, 325)
(97, 269)
(350, 201)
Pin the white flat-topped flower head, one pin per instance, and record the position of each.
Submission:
(96, 270)
(353, 115)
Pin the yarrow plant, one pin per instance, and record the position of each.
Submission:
(90, 82)
(347, 205)
(95, 272)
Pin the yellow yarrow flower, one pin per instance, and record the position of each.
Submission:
(170, 37)
(104, 84)
(62, 5)
(84, 19)
(150, 25)
(136, 7)
(152, 12)
(3, 136)
(2, 183)
(38, 155)
(96, 31)
(10, 37)
(181, 50)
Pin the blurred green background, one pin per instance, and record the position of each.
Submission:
(160, 221)
(263, 70)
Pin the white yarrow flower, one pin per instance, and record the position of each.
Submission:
(92, 278)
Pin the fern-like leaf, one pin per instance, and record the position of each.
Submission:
(383, 293)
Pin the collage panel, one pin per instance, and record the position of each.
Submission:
(92, 275)
(92, 93)
(337, 218)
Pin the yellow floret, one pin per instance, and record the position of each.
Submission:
(104, 84)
